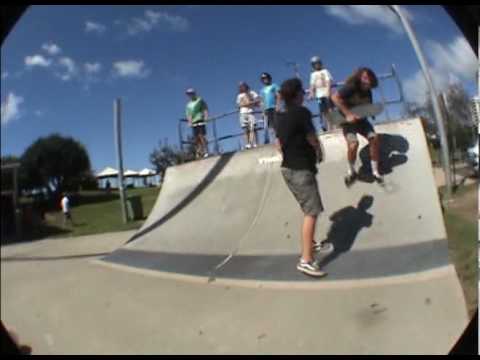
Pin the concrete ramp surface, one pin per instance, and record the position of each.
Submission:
(230, 220)
(233, 216)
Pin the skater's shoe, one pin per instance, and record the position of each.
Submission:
(350, 179)
(324, 247)
(378, 178)
(310, 268)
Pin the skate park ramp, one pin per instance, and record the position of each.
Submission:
(232, 216)
(230, 220)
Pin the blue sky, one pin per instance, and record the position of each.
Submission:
(63, 66)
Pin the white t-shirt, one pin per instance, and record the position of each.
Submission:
(65, 204)
(319, 81)
(243, 97)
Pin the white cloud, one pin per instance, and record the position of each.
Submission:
(91, 72)
(450, 63)
(10, 109)
(457, 57)
(157, 19)
(37, 60)
(131, 69)
(5, 74)
(91, 26)
(69, 68)
(39, 113)
(51, 48)
(368, 14)
(93, 68)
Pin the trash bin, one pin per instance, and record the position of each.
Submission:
(134, 208)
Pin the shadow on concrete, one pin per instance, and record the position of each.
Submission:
(49, 258)
(39, 232)
(213, 173)
(393, 149)
(346, 224)
(352, 265)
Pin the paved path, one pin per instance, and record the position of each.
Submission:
(61, 301)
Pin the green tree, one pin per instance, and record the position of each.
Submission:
(7, 175)
(459, 123)
(88, 181)
(165, 156)
(56, 163)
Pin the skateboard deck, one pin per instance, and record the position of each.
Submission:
(363, 111)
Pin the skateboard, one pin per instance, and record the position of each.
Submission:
(335, 117)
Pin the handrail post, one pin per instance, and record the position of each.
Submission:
(180, 134)
(214, 127)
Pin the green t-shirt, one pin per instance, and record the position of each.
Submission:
(195, 109)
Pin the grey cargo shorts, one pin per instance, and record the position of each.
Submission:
(303, 185)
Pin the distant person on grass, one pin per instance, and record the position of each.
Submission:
(301, 152)
(197, 114)
(67, 215)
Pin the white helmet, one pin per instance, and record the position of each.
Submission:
(315, 60)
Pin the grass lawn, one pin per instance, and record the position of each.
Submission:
(461, 220)
(96, 212)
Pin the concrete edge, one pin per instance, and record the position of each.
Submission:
(284, 285)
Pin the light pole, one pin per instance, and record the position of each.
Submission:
(433, 96)
(117, 125)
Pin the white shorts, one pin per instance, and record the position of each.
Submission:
(247, 120)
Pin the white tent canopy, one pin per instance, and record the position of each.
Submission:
(107, 172)
(147, 172)
(130, 173)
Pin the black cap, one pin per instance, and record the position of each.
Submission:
(266, 75)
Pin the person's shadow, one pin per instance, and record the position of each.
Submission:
(346, 224)
(393, 149)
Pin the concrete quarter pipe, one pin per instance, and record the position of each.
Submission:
(231, 221)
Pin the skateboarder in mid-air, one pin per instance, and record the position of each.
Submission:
(301, 151)
(358, 91)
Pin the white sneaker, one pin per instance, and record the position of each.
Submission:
(310, 268)
(206, 155)
(378, 178)
(324, 247)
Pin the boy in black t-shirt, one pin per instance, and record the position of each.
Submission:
(357, 91)
(301, 151)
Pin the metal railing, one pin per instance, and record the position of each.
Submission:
(259, 126)
(212, 122)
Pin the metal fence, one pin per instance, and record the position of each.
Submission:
(211, 123)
